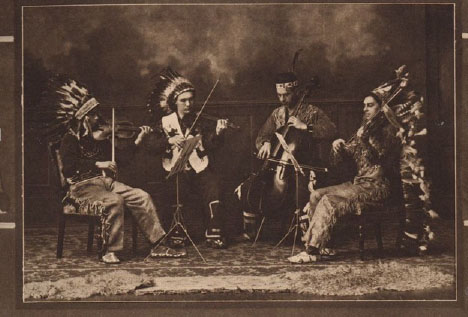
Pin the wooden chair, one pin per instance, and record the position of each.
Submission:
(376, 214)
(68, 210)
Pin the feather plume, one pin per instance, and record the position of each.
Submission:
(432, 214)
(295, 59)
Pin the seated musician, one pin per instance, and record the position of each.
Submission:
(85, 159)
(374, 155)
(173, 100)
(307, 122)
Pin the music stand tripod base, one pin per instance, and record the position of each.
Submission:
(294, 226)
(177, 222)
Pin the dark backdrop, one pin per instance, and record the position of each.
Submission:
(352, 48)
(116, 50)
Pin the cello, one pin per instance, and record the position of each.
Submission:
(265, 190)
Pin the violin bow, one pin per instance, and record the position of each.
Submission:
(113, 134)
(113, 140)
(203, 107)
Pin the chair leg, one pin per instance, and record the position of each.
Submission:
(361, 240)
(91, 221)
(378, 237)
(134, 236)
(61, 235)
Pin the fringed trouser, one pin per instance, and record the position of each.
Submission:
(328, 204)
(112, 197)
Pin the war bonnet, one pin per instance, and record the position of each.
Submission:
(64, 100)
(169, 85)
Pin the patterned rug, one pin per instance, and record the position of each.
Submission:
(240, 268)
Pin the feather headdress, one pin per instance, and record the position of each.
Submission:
(64, 100)
(169, 85)
(407, 115)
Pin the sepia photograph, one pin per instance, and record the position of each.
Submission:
(238, 152)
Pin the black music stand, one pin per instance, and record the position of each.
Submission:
(179, 166)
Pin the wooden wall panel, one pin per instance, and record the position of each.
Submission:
(234, 161)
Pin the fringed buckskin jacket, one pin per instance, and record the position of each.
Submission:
(377, 164)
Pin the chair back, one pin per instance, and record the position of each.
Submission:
(56, 159)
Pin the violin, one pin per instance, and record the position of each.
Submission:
(213, 118)
(123, 130)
